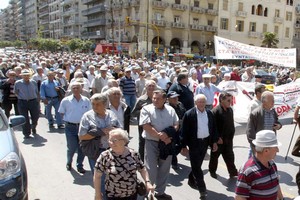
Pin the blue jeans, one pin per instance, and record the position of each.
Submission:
(53, 103)
(130, 100)
(73, 145)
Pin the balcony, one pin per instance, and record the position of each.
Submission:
(44, 13)
(95, 9)
(71, 11)
(87, 1)
(71, 33)
(197, 10)
(177, 25)
(241, 14)
(93, 35)
(159, 5)
(180, 7)
(159, 22)
(278, 20)
(94, 22)
(43, 5)
(297, 25)
(197, 27)
(211, 28)
(126, 4)
(71, 22)
(212, 12)
(45, 21)
(254, 34)
(134, 3)
(67, 2)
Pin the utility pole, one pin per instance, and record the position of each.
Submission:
(112, 27)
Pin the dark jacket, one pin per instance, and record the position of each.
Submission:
(5, 86)
(256, 123)
(172, 148)
(190, 128)
(186, 95)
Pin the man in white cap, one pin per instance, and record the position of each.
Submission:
(162, 80)
(258, 177)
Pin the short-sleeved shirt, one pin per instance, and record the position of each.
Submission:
(73, 109)
(158, 118)
(209, 92)
(256, 182)
(118, 181)
(91, 120)
(26, 90)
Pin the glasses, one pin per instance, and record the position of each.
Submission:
(114, 140)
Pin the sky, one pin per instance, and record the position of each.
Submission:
(4, 4)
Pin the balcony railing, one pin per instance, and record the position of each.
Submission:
(67, 1)
(95, 9)
(70, 11)
(44, 13)
(71, 33)
(159, 22)
(278, 20)
(211, 28)
(197, 27)
(212, 12)
(95, 34)
(177, 25)
(241, 14)
(179, 7)
(94, 22)
(160, 4)
(87, 1)
(198, 10)
(254, 34)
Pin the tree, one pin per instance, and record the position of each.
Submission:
(270, 40)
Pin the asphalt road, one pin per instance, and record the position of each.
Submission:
(45, 156)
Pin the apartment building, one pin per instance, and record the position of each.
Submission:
(246, 21)
(72, 18)
(55, 19)
(94, 27)
(31, 19)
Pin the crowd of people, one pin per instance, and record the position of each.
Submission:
(95, 98)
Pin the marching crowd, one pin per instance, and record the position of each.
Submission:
(95, 98)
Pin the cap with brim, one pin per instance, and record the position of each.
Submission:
(266, 138)
(127, 70)
(103, 68)
(25, 72)
(206, 76)
(172, 94)
(59, 71)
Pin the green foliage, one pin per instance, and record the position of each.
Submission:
(74, 44)
(270, 40)
(45, 44)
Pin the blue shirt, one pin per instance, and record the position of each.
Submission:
(26, 90)
(209, 92)
(72, 109)
(48, 89)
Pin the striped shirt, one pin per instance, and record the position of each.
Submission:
(127, 86)
(269, 119)
(256, 182)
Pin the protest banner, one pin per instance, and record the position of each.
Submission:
(229, 49)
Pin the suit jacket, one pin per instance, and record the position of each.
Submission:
(190, 128)
(256, 123)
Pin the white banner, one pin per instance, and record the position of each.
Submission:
(243, 92)
(229, 49)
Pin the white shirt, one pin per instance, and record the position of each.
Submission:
(202, 123)
(162, 82)
(119, 113)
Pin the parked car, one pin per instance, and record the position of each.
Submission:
(266, 77)
(13, 173)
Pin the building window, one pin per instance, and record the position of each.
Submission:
(157, 16)
(276, 29)
(225, 4)
(210, 6)
(224, 24)
(240, 6)
(289, 2)
(196, 21)
(177, 1)
(209, 22)
(177, 19)
(265, 28)
(288, 16)
(287, 32)
(253, 10)
(240, 25)
(277, 13)
(259, 10)
(196, 4)
(266, 12)
(252, 27)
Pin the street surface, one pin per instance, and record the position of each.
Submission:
(45, 156)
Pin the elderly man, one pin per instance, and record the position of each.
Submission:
(27, 93)
(155, 118)
(72, 109)
(198, 132)
(223, 114)
(258, 177)
(208, 89)
(182, 88)
(248, 75)
(256, 101)
(163, 79)
(263, 117)
(127, 85)
(100, 80)
(49, 97)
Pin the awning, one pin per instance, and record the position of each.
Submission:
(99, 49)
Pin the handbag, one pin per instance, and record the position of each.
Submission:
(140, 185)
